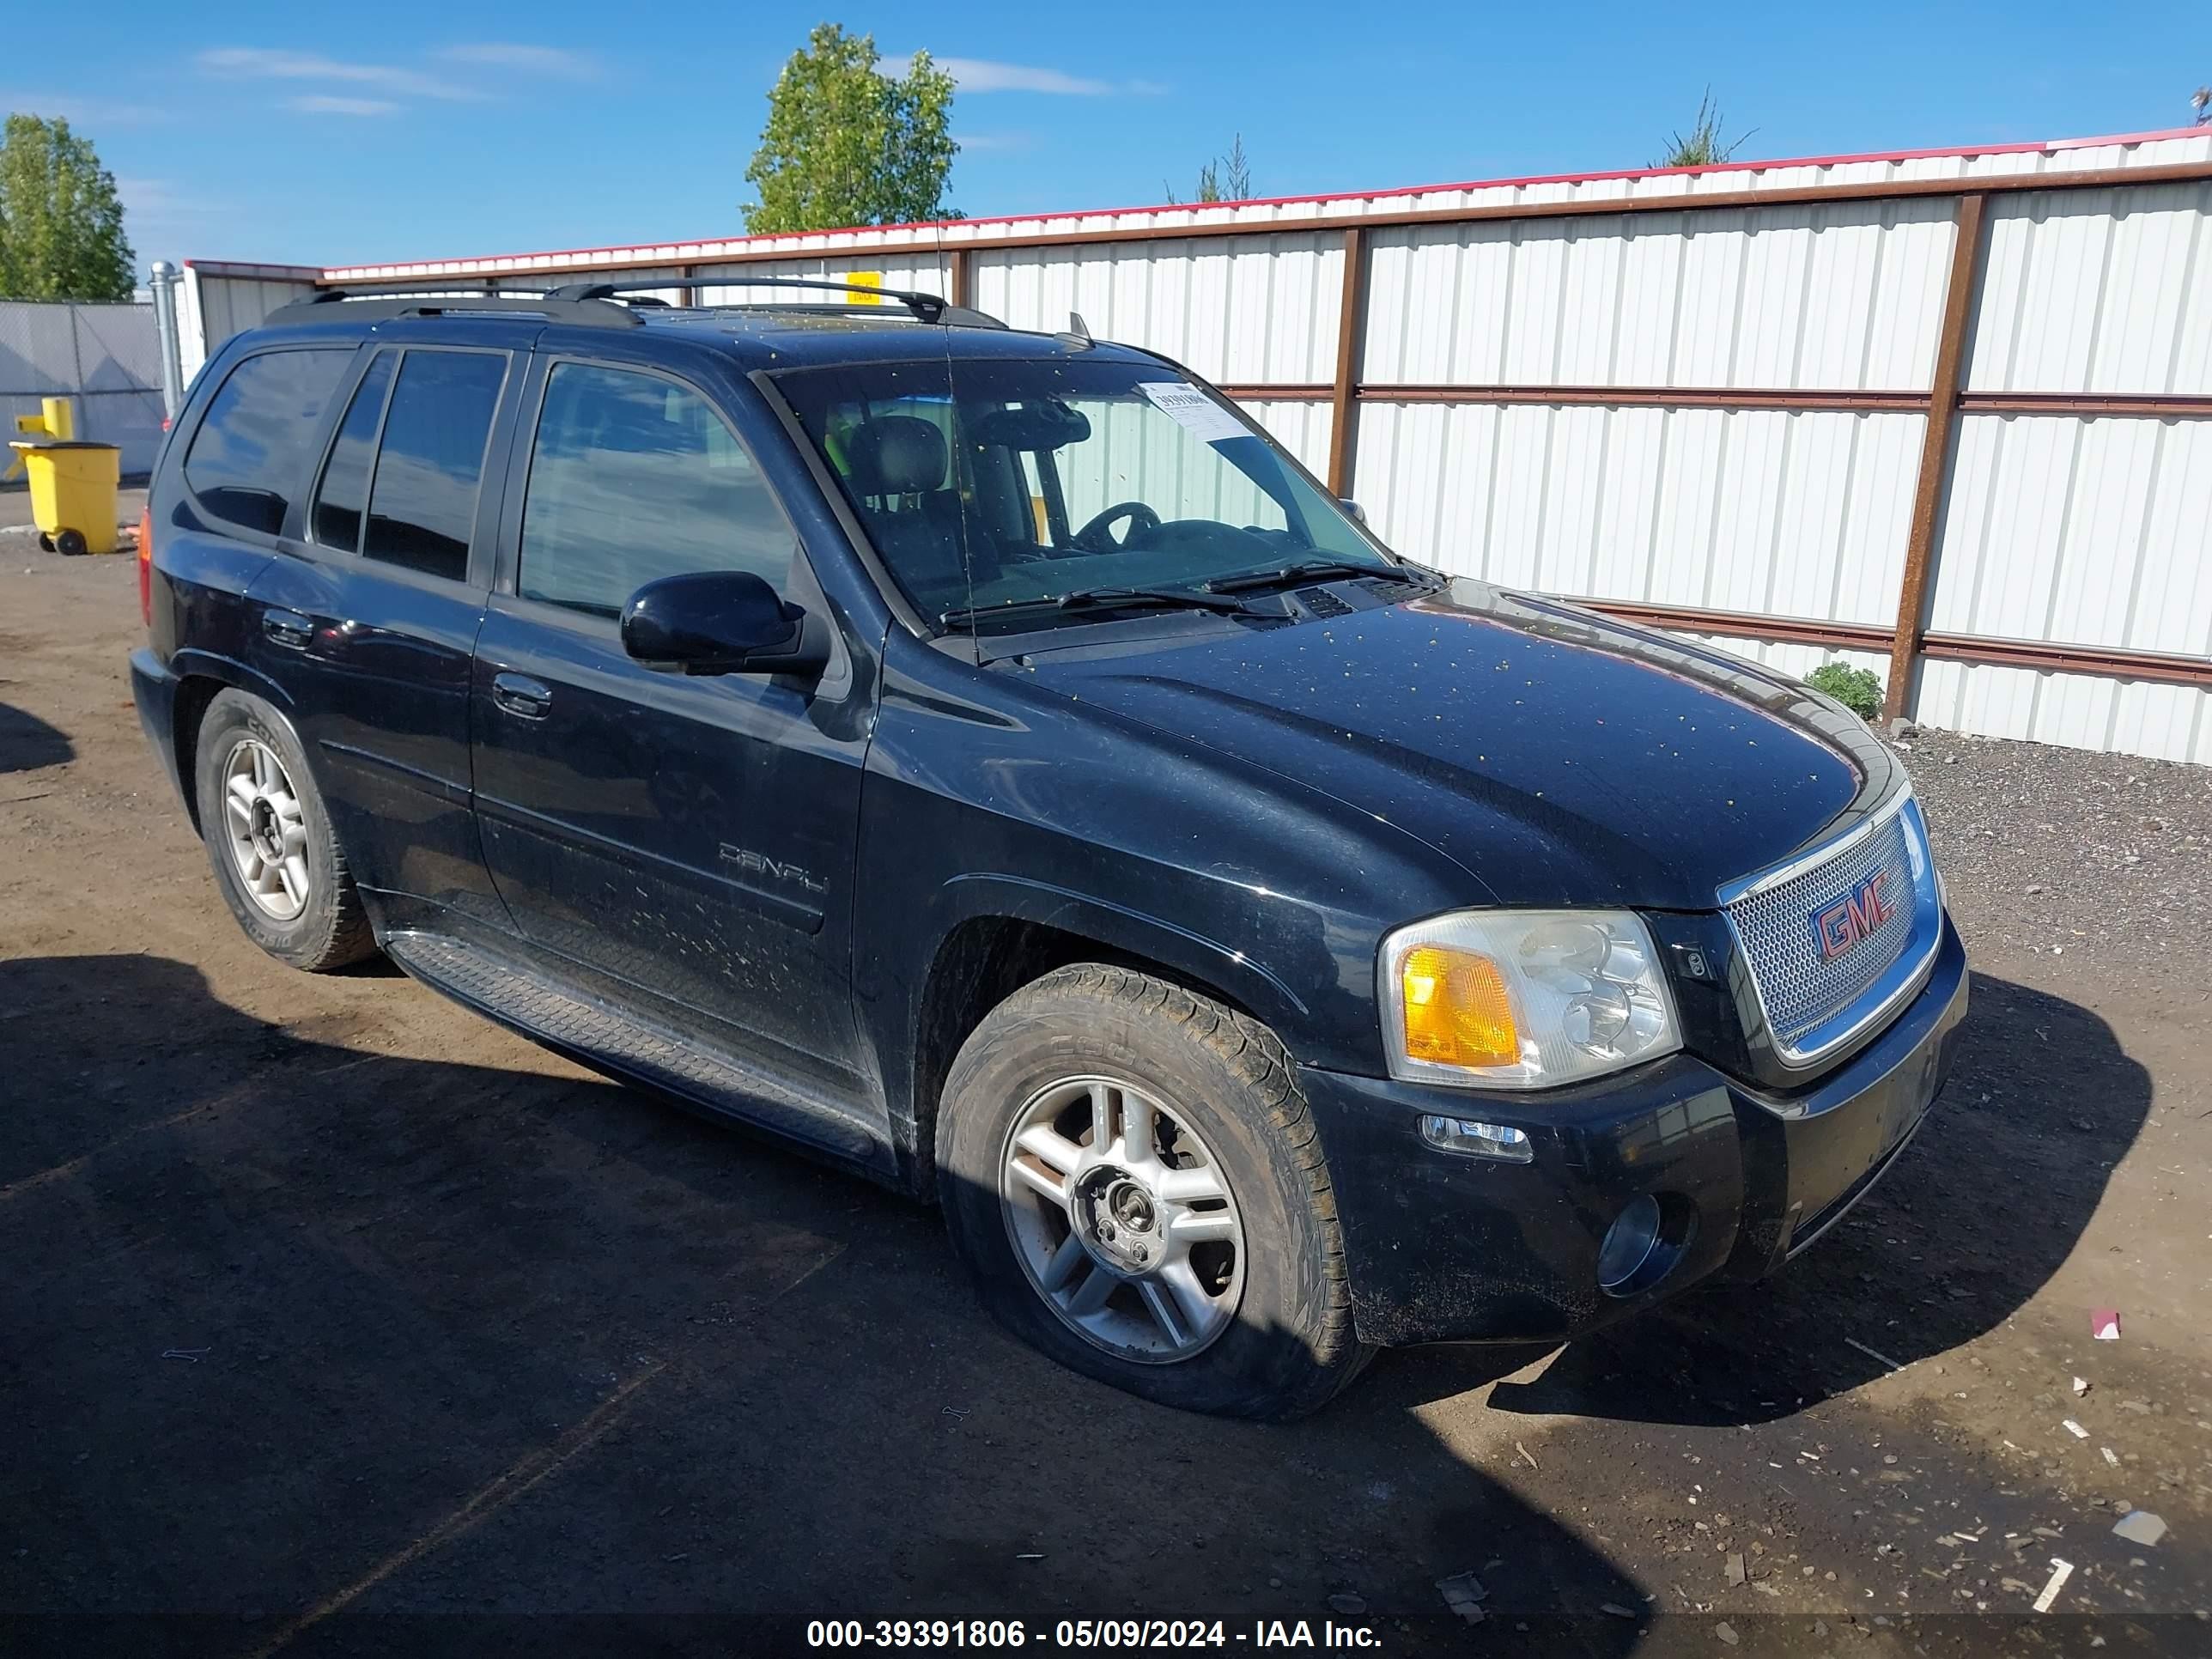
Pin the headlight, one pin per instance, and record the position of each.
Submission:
(1524, 999)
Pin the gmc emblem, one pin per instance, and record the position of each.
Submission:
(1860, 912)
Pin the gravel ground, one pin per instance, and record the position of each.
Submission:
(335, 1320)
(2056, 852)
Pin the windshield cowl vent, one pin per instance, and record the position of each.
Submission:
(1323, 603)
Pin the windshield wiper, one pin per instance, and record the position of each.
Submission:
(1101, 598)
(1291, 575)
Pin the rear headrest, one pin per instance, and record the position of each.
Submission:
(894, 455)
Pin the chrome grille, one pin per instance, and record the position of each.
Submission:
(1798, 987)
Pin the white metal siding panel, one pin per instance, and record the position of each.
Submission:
(2164, 722)
(1768, 297)
(1785, 513)
(2097, 291)
(1261, 313)
(925, 273)
(219, 301)
(2088, 532)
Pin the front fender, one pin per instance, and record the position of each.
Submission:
(1245, 980)
(987, 795)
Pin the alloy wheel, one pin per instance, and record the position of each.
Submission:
(266, 831)
(1122, 1218)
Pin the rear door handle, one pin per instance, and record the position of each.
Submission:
(287, 628)
(519, 694)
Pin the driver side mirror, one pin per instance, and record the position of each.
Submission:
(1353, 507)
(722, 621)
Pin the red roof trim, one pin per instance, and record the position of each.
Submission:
(1962, 152)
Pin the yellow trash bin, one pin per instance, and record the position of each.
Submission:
(73, 494)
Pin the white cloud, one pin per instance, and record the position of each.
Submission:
(323, 103)
(978, 141)
(262, 62)
(556, 61)
(987, 74)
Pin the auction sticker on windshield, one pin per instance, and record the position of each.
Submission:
(1192, 410)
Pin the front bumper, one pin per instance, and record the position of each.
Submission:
(1447, 1247)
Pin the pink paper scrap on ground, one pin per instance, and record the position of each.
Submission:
(2105, 1324)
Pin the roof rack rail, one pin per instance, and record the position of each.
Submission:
(924, 307)
(375, 305)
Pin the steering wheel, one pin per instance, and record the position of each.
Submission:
(1093, 538)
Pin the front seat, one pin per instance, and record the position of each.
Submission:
(897, 465)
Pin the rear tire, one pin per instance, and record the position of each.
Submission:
(276, 862)
(71, 544)
(1206, 1136)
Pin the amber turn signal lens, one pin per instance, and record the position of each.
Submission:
(1457, 1013)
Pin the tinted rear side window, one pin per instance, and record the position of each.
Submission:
(635, 477)
(422, 506)
(253, 450)
(344, 493)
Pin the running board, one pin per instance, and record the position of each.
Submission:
(607, 1039)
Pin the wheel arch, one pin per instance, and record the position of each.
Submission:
(202, 677)
(990, 953)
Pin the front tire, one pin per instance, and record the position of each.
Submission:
(1130, 1173)
(276, 861)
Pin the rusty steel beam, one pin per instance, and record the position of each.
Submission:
(1920, 546)
(964, 278)
(1746, 625)
(1280, 394)
(1350, 328)
(1779, 196)
(2116, 405)
(2045, 657)
(2040, 656)
(2091, 405)
(1837, 401)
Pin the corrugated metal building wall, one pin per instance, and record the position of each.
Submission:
(107, 358)
(1704, 400)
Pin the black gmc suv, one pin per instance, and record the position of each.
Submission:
(985, 759)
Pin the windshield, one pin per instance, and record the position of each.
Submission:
(991, 484)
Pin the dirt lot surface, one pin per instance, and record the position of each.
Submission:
(333, 1319)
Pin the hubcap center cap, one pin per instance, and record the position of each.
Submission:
(1118, 1220)
(268, 834)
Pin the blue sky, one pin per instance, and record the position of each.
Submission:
(326, 136)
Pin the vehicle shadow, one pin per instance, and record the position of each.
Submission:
(2041, 1106)
(28, 743)
(317, 1348)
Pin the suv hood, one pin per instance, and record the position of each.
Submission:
(1559, 758)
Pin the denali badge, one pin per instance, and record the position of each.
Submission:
(759, 864)
(1851, 918)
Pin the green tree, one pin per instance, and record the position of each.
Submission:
(1224, 178)
(61, 224)
(1703, 146)
(846, 144)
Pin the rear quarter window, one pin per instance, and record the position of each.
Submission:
(253, 453)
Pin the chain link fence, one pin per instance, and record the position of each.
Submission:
(106, 358)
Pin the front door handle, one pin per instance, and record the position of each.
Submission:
(519, 694)
(287, 628)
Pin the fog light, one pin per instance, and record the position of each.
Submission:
(1473, 1140)
(1628, 1243)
